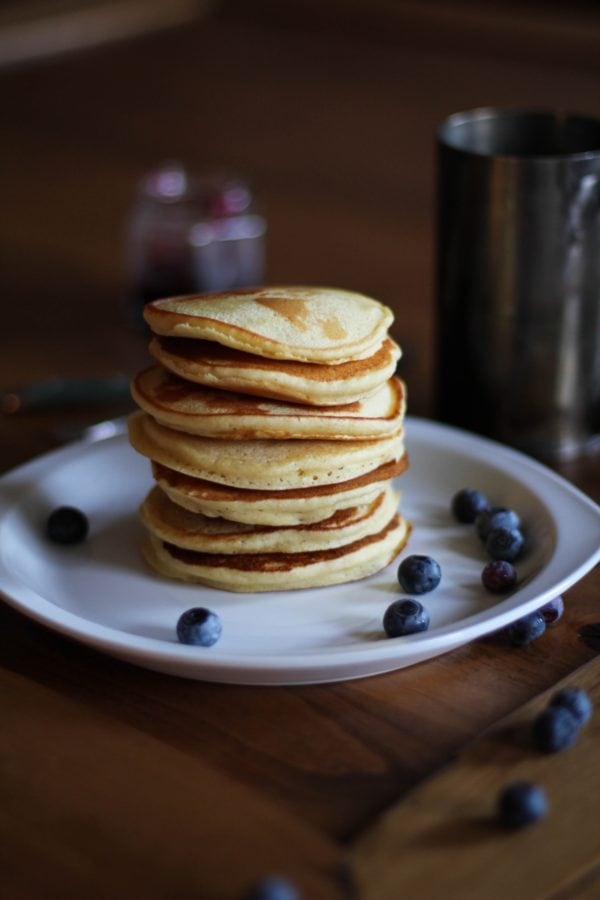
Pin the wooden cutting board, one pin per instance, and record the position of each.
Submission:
(443, 839)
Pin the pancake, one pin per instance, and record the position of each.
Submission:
(193, 531)
(199, 410)
(261, 464)
(214, 365)
(247, 573)
(310, 324)
(293, 507)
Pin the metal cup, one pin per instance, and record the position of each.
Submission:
(518, 287)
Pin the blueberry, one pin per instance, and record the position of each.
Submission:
(273, 887)
(576, 701)
(555, 729)
(499, 576)
(526, 630)
(502, 543)
(67, 525)
(496, 517)
(467, 504)
(405, 617)
(521, 803)
(199, 626)
(553, 611)
(419, 574)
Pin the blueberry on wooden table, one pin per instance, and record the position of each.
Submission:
(199, 626)
(521, 803)
(526, 629)
(467, 504)
(553, 610)
(419, 574)
(577, 701)
(405, 617)
(555, 729)
(273, 887)
(67, 525)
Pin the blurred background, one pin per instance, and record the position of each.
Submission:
(328, 109)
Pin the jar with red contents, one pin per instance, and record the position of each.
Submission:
(190, 234)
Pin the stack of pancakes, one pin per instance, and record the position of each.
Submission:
(275, 427)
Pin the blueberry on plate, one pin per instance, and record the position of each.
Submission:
(553, 610)
(419, 574)
(521, 803)
(577, 701)
(496, 517)
(199, 626)
(504, 543)
(499, 576)
(273, 887)
(526, 629)
(556, 728)
(467, 504)
(405, 617)
(67, 525)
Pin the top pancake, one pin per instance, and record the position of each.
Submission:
(320, 325)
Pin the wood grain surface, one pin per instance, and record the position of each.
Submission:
(116, 781)
(100, 798)
(444, 839)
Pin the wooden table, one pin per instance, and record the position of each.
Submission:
(117, 781)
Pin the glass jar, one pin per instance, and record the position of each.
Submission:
(190, 234)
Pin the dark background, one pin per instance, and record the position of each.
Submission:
(328, 108)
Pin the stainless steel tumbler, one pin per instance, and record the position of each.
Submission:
(518, 280)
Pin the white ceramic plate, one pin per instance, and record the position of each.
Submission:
(101, 593)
